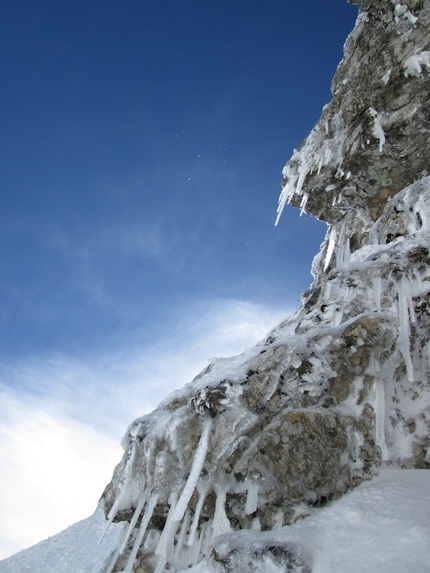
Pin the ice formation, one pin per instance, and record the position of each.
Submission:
(220, 477)
(341, 387)
(334, 392)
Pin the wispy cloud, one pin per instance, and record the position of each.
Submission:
(62, 417)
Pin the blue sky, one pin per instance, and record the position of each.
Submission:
(142, 145)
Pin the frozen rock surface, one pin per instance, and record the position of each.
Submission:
(341, 388)
(372, 138)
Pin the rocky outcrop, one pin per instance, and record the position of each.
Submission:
(372, 138)
(342, 386)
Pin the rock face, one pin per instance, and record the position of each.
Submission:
(342, 386)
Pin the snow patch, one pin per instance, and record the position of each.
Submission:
(414, 64)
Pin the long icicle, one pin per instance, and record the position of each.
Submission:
(166, 539)
(404, 327)
(182, 534)
(203, 491)
(149, 510)
(190, 485)
(137, 512)
(116, 554)
(177, 509)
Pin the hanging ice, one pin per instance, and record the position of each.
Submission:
(141, 533)
(330, 248)
(404, 326)
(252, 498)
(199, 460)
(221, 523)
(377, 130)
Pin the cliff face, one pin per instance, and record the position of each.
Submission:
(339, 388)
(372, 138)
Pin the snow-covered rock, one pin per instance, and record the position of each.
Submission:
(372, 138)
(229, 472)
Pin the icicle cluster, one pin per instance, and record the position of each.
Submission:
(340, 387)
(327, 144)
(226, 452)
(365, 116)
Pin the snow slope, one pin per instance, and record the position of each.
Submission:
(74, 550)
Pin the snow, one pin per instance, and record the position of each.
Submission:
(383, 525)
(413, 64)
(74, 550)
(378, 130)
(386, 77)
(252, 498)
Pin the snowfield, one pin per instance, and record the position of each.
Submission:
(383, 526)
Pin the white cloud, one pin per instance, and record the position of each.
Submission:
(52, 472)
(62, 418)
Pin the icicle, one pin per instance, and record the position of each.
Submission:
(337, 317)
(411, 309)
(286, 196)
(326, 294)
(199, 460)
(182, 533)
(291, 188)
(123, 537)
(221, 523)
(330, 248)
(204, 542)
(278, 520)
(133, 521)
(203, 491)
(377, 287)
(328, 155)
(110, 517)
(419, 280)
(343, 248)
(122, 484)
(380, 419)
(404, 327)
(303, 171)
(252, 498)
(149, 510)
(303, 203)
(165, 542)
